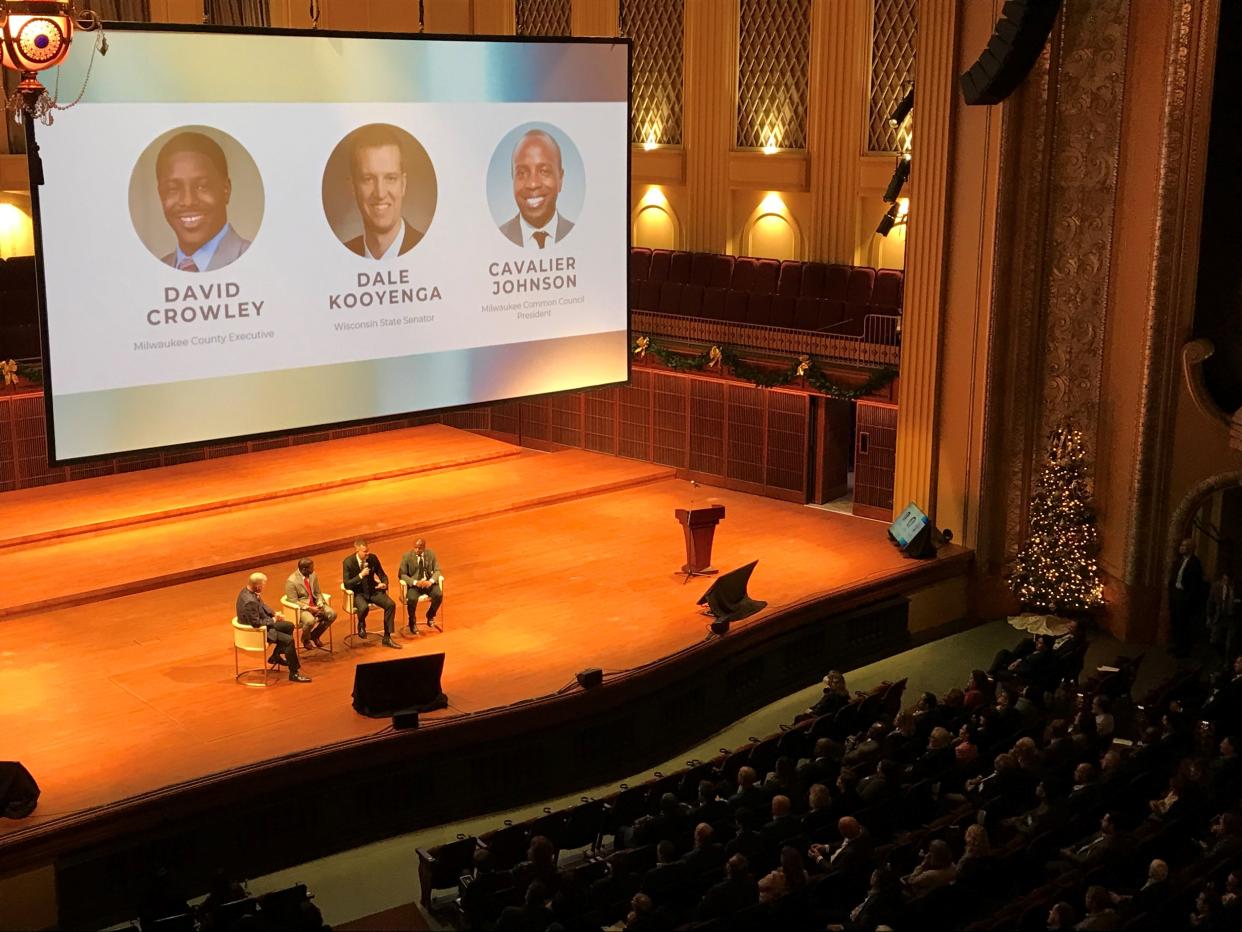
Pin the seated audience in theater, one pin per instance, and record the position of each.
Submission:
(935, 870)
(745, 840)
(1091, 851)
(1207, 909)
(1226, 840)
(819, 816)
(861, 752)
(539, 866)
(1151, 895)
(485, 882)
(748, 793)
(1101, 916)
(881, 785)
(667, 875)
(783, 824)
(644, 916)
(852, 856)
(823, 766)
(975, 865)
(979, 690)
(710, 806)
(937, 758)
(783, 779)
(671, 822)
(794, 869)
(532, 916)
(900, 744)
(707, 854)
(253, 611)
(1061, 916)
(836, 695)
(1105, 724)
(771, 887)
(883, 906)
(1063, 645)
(315, 615)
(733, 894)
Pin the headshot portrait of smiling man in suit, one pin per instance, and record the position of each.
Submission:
(538, 173)
(192, 176)
(379, 191)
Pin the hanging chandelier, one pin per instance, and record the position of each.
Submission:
(35, 35)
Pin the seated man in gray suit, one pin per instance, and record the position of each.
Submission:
(192, 177)
(251, 610)
(537, 180)
(420, 571)
(315, 615)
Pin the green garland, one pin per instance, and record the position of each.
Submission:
(727, 358)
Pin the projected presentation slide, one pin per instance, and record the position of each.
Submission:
(243, 234)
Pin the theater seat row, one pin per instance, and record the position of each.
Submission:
(850, 284)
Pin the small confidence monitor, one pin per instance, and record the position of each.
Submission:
(907, 525)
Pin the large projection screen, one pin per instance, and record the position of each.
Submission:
(248, 233)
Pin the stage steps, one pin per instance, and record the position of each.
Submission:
(88, 505)
(122, 560)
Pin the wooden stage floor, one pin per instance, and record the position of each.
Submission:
(553, 562)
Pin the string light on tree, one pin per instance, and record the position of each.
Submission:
(1056, 567)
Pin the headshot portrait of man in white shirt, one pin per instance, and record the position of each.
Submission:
(377, 174)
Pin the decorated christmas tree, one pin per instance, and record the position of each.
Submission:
(1055, 571)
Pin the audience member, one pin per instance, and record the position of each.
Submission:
(1101, 916)
(935, 870)
(733, 894)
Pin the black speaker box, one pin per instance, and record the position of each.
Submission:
(388, 687)
(403, 720)
(1012, 51)
(727, 599)
(19, 794)
(590, 677)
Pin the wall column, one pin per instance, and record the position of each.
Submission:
(710, 120)
(594, 17)
(837, 116)
(495, 17)
(918, 398)
(177, 11)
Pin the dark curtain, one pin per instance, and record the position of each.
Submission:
(237, 12)
(136, 11)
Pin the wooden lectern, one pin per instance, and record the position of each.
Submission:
(699, 525)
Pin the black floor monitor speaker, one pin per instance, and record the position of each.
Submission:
(726, 598)
(590, 677)
(19, 794)
(1011, 53)
(388, 687)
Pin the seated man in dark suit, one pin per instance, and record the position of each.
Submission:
(710, 807)
(706, 855)
(852, 856)
(364, 576)
(749, 793)
(1091, 851)
(420, 571)
(532, 915)
(669, 873)
(252, 611)
(733, 894)
(783, 825)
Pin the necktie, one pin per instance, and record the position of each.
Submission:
(541, 237)
(422, 571)
(310, 593)
(187, 265)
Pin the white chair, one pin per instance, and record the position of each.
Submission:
(409, 622)
(293, 613)
(351, 638)
(251, 640)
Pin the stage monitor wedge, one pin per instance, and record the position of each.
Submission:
(1011, 53)
(727, 599)
(251, 233)
(387, 688)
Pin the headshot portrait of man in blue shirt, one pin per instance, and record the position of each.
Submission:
(538, 176)
(377, 173)
(192, 176)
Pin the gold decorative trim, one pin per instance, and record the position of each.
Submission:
(1183, 152)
